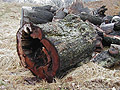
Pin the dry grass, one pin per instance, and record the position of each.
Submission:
(13, 76)
(112, 5)
(94, 77)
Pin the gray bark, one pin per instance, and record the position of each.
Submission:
(96, 20)
(107, 59)
(73, 39)
(37, 15)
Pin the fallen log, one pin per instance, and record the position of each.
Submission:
(111, 38)
(107, 19)
(36, 52)
(37, 15)
(55, 47)
(100, 11)
(108, 28)
(60, 14)
(109, 58)
(48, 8)
(117, 26)
(96, 20)
(84, 12)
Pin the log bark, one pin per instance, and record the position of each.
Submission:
(109, 58)
(96, 20)
(109, 38)
(85, 13)
(55, 47)
(108, 28)
(117, 26)
(100, 11)
(37, 15)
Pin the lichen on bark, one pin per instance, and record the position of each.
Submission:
(73, 38)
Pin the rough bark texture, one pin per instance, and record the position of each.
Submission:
(113, 37)
(100, 11)
(107, 27)
(37, 15)
(91, 18)
(117, 26)
(108, 58)
(71, 39)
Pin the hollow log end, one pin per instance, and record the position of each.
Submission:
(36, 52)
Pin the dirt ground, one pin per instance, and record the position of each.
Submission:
(13, 76)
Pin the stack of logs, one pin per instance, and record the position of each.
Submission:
(50, 42)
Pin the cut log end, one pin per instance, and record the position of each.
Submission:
(37, 53)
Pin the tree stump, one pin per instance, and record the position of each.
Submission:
(53, 48)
